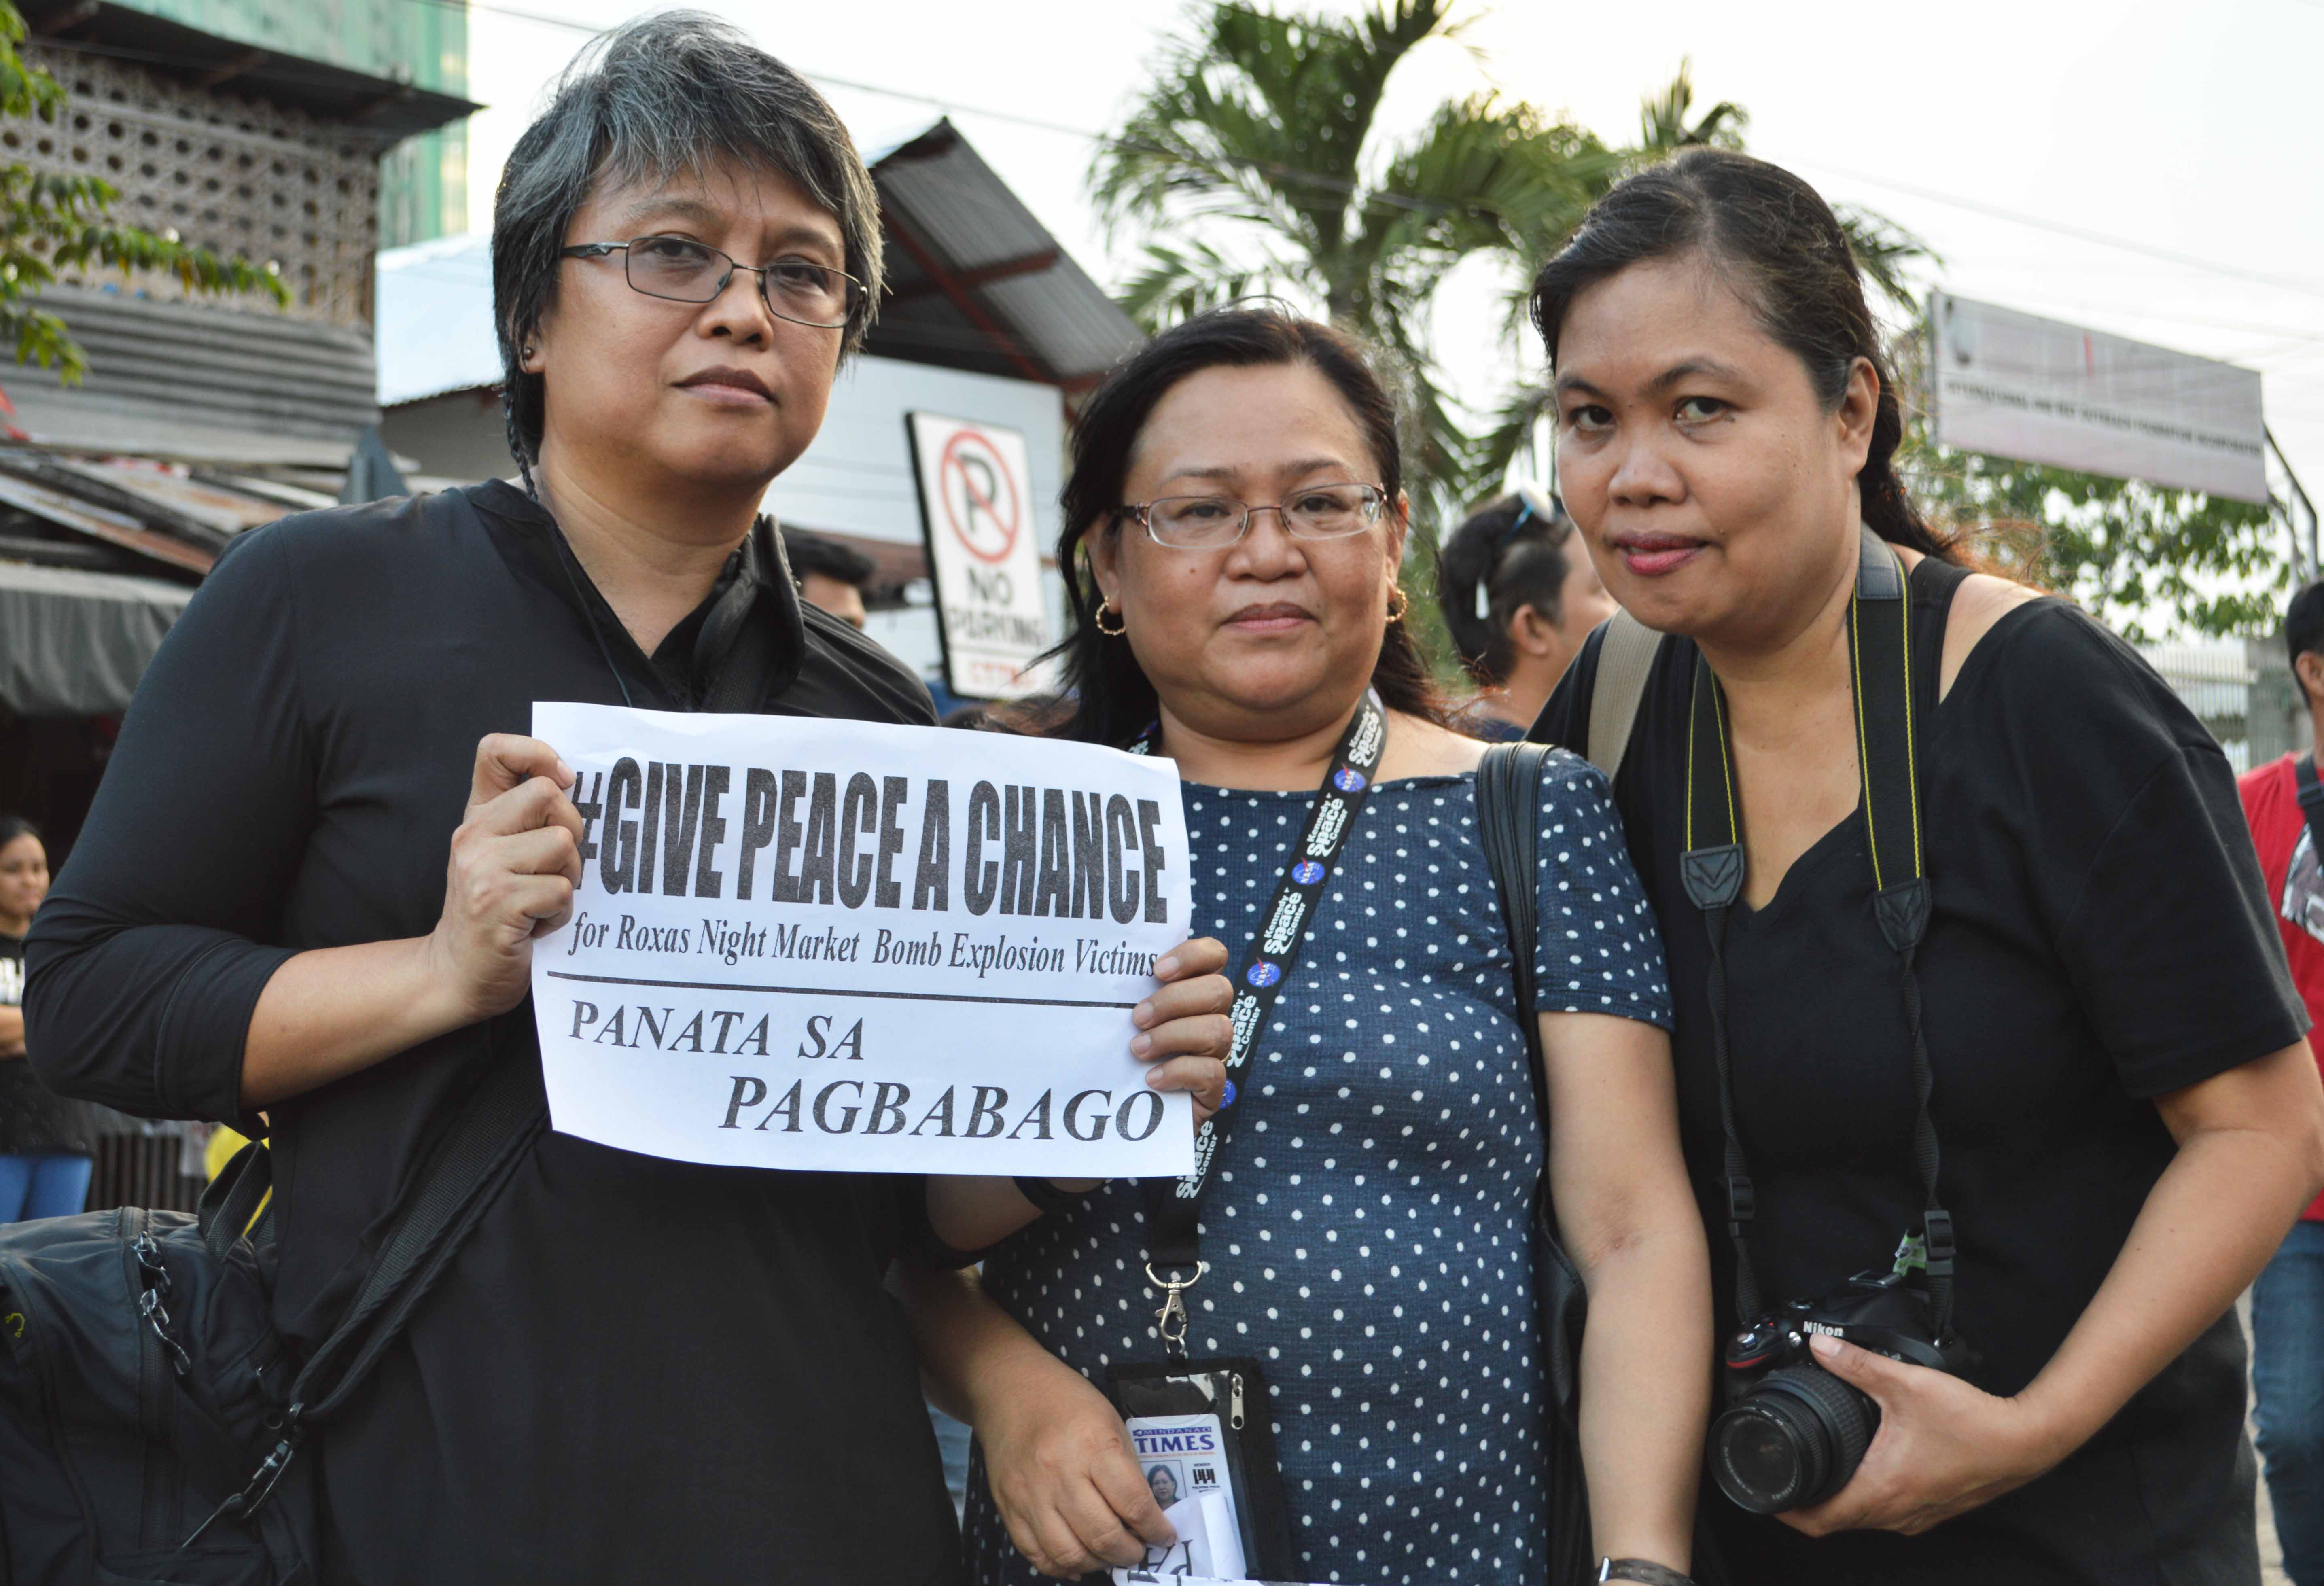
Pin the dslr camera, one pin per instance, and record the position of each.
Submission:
(1793, 1434)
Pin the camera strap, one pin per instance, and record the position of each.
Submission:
(1880, 676)
(1173, 1206)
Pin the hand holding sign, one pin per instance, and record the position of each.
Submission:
(1183, 1030)
(514, 863)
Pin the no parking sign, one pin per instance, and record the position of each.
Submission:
(983, 533)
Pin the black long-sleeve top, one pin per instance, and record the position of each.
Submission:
(637, 1369)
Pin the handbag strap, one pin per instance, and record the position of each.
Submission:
(473, 1160)
(1508, 826)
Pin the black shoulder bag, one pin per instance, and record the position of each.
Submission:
(1508, 826)
(151, 1416)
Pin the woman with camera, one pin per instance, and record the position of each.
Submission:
(1977, 993)
(1235, 521)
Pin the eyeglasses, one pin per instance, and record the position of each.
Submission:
(1208, 522)
(687, 271)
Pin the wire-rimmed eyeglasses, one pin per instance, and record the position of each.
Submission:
(684, 271)
(1208, 522)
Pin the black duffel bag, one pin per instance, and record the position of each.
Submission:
(152, 1419)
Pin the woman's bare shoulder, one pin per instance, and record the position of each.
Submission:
(1418, 747)
(1979, 603)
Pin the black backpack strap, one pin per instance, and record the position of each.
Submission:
(1625, 657)
(2312, 798)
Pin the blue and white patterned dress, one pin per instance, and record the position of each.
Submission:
(1368, 1224)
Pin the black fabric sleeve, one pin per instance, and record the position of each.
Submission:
(148, 958)
(2134, 839)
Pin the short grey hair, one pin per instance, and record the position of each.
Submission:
(670, 94)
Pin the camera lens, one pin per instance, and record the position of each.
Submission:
(1792, 1440)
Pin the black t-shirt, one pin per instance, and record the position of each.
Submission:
(637, 1369)
(35, 1121)
(2100, 937)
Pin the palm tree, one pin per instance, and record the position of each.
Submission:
(1251, 165)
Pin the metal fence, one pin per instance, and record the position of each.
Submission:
(157, 1166)
(2243, 691)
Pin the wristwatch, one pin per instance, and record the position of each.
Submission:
(1639, 1569)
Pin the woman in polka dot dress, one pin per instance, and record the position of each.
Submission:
(1367, 1229)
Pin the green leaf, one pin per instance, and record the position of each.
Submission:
(53, 223)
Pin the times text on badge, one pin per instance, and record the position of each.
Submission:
(848, 946)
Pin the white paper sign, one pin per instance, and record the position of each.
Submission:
(839, 945)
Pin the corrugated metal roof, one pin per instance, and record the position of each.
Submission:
(974, 282)
(156, 369)
(147, 513)
(938, 191)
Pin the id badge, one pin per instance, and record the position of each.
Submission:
(1205, 1445)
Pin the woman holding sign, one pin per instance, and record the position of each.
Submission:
(311, 883)
(1355, 1243)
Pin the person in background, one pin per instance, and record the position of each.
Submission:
(47, 1151)
(2287, 1299)
(1519, 595)
(829, 575)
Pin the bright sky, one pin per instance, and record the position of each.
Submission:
(2144, 168)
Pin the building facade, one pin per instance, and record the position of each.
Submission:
(423, 181)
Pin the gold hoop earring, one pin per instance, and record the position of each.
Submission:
(1121, 623)
(1399, 603)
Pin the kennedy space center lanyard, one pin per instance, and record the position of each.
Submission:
(1174, 1207)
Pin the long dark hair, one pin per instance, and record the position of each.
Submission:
(1778, 241)
(1514, 553)
(1110, 699)
(12, 826)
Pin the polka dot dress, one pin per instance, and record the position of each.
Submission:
(1368, 1224)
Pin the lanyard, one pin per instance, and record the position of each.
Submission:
(1881, 678)
(1173, 1206)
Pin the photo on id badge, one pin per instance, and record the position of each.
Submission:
(1183, 1460)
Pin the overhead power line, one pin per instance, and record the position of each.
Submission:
(1318, 178)
(1978, 206)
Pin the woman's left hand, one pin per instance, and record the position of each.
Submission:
(1944, 1448)
(1182, 1027)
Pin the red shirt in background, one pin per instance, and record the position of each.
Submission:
(2295, 881)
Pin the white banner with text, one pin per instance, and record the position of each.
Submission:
(847, 946)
